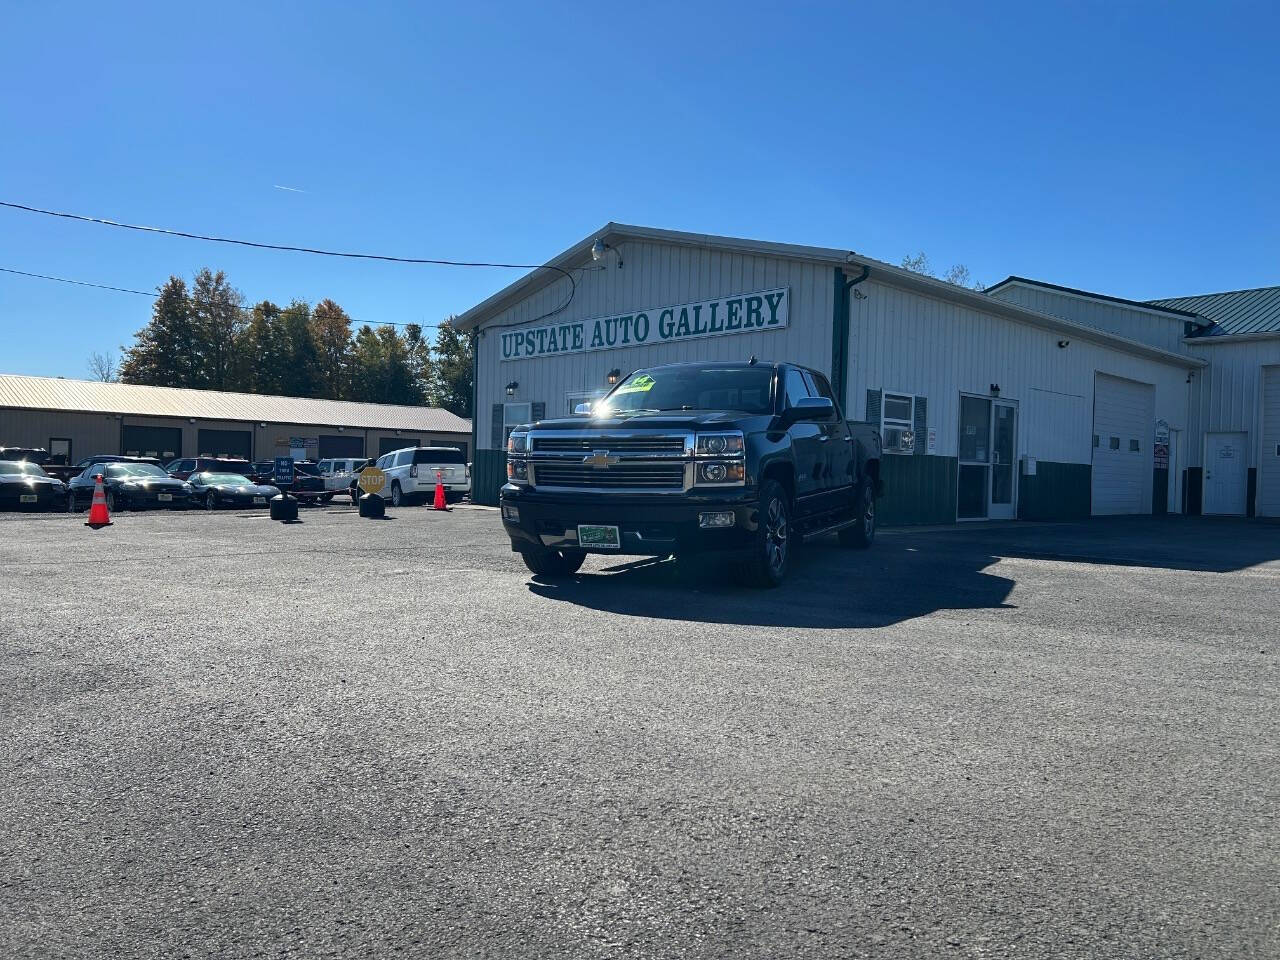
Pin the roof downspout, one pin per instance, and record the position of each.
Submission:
(475, 389)
(840, 333)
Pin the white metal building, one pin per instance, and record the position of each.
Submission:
(990, 407)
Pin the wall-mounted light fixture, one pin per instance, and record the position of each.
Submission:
(191, 420)
(995, 389)
(1063, 344)
(600, 248)
(511, 388)
(613, 376)
(340, 429)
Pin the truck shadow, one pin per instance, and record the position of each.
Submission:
(828, 587)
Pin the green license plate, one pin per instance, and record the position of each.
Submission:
(599, 535)
(28, 498)
(164, 497)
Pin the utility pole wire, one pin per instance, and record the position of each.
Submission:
(573, 287)
(154, 296)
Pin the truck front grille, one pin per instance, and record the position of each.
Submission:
(639, 476)
(635, 446)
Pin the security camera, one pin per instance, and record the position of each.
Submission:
(1063, 344)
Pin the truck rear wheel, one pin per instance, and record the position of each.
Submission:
(863, 532)
(766, 562)
(552, 563)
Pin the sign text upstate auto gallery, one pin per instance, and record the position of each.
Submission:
(764, 310)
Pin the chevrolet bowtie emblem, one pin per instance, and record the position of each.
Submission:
(600, 459)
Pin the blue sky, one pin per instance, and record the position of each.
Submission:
(1127, 148)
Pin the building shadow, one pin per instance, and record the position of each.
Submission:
(1172, 542)
(829, 587)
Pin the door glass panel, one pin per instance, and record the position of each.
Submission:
(972, 492)
(975, 430)
(1002, 456)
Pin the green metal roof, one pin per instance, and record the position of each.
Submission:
(1234, 312)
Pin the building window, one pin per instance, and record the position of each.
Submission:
(575, 397)
(1096, 438)
(1115, 443)
(513, 415)
(897, 422)
(1133, 446)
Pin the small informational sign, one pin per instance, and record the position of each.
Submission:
(933, 440)
(284, 470)
(1161, 447)
(1028, 466)
(372, 480)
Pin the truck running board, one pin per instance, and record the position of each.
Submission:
(814, 534)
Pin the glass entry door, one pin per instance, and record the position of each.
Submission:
(987, 483)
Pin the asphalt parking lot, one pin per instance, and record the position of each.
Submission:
(225, 737)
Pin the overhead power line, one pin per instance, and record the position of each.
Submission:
(78, 283)
(152, 295)
(573, 287)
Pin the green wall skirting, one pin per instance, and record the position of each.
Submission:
(917, 489)
(1058, 491)
(488, 474)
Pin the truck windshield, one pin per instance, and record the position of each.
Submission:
(745, 388)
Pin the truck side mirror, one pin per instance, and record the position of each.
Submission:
(810, 410)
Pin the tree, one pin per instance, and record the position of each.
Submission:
(299, 358)
(452, 370)
(217, 309)
(331, 334)
(103, 366)
(381, 368)
(957, 274)
(260, 353)
(164, 352)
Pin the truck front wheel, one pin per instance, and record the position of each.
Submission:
(767, 560)
(552, 563)
(862, 532)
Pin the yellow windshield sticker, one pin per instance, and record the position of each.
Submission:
(641, 384)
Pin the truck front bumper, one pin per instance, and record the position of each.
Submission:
(647, 525)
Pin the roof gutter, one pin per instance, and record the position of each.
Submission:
(840, 329)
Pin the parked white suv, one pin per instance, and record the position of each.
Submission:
(411, 473)
(337, 472)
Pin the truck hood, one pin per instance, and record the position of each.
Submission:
(665, 420)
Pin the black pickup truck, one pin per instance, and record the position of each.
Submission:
(744, 459)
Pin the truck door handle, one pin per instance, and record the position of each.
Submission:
(825, 437)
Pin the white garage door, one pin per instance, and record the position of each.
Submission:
(1123, 428)
(1269, 474)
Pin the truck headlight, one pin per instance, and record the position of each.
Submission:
(721, 472)
(518, 471)
(518, 443)
(727, 444)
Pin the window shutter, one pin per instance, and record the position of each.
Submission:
(539, 411)
(921, 425)
(873, 407)
(499, 441)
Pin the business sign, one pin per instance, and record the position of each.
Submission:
(741, 313)
(1161, 449)
(284, 470)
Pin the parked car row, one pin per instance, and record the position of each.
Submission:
(135, 483)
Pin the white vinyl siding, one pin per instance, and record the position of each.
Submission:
(1124, 422)
(656, 275)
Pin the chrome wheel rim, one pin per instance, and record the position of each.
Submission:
(395, 496)
(210, 503)
(775, 541)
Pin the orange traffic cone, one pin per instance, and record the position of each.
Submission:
(440, 503)
(98, 516)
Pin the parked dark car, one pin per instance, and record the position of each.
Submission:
(214, 490)
(184, 467)
(25, 486)
(31, 454)
(129, 486)
(743, 459)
